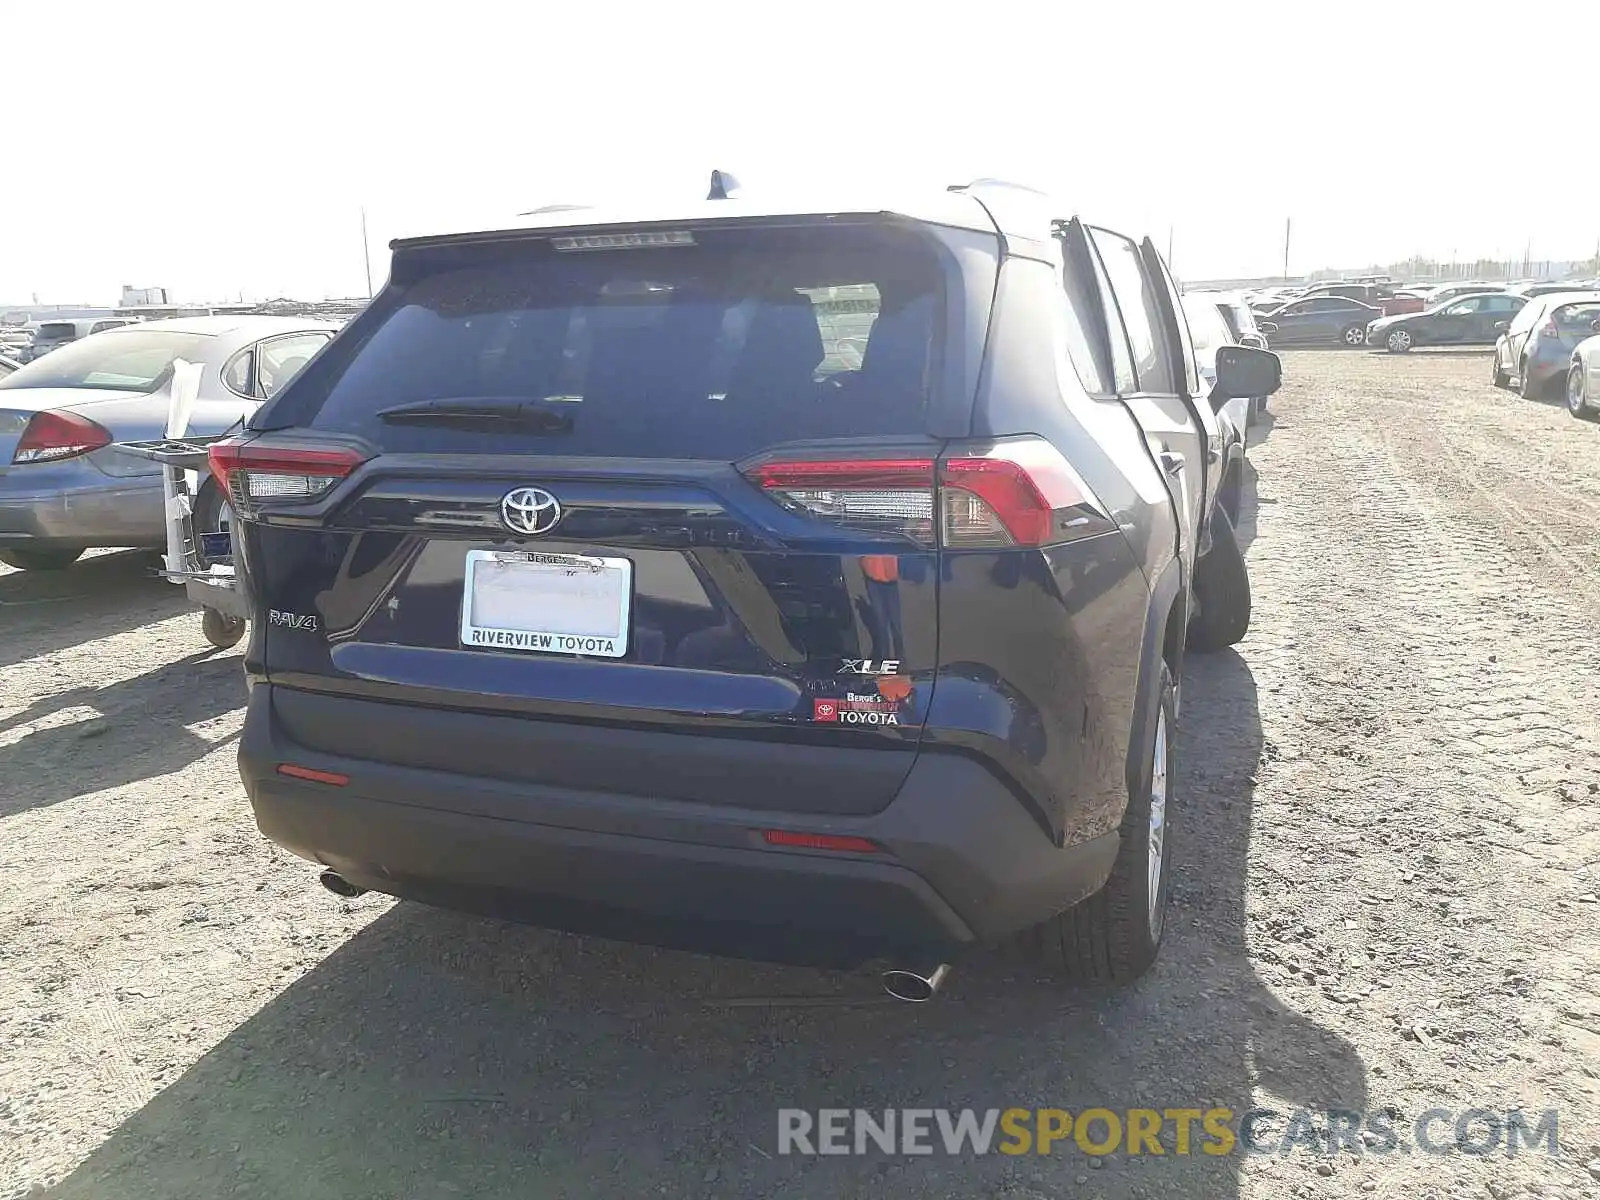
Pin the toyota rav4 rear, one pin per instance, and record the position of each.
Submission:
(675, 581)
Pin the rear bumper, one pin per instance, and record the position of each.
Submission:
(963, 861)
(107, 512)
(1544, 368)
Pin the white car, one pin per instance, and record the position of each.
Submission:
(1583, 380)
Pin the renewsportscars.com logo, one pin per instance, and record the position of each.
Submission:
(1101, 1132)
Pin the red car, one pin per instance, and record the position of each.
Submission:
(1380, 295)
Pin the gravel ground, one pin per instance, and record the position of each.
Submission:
(1386, 896)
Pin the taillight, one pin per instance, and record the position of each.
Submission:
(251, 474)
(878, 495)
(1021, 493)
(53, 436)
(1016, 493)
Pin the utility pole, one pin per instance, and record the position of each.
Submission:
(1287, 222)
(366, 250)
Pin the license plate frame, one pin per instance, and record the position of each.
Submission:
(500, 573)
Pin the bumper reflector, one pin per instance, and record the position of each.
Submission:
(819, 841)
(315, 776)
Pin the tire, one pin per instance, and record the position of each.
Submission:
(211, 514)
(40, 559)
(1114, 935)
(1497, 374)
(1525, 389)
(220, 629)
(1577, 396)
(1354, 335)
(1398, 341)
(1221, 592)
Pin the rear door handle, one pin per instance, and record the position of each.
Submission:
(1171, 461)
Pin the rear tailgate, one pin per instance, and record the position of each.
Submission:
(683, 490)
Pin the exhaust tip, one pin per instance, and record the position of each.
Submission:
(339, 885)
(914, 987)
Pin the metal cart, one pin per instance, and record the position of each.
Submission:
(199, 556)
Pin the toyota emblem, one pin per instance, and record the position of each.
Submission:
(529, 510)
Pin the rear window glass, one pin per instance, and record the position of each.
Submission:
(748, 338)
(122, 362)
(1206, 328)
(1577, 317)
(54, 331)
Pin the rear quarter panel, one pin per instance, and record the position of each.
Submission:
(1040, 651)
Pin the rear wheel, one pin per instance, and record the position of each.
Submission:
(1114, 935)
(40, 559)
(1578, 394)
(1398, 341)
(1354, 335)
(1525, 386)
(1221, 596)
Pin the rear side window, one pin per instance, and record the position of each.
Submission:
(1576, 318)
(1140, 314)
(747, 338)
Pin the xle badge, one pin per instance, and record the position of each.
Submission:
(870, 666)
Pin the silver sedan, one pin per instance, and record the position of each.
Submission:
(62, 488)
(1583, 379)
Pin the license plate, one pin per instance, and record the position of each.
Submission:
(547, 603)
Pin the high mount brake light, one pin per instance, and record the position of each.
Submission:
(57, 434)
(251, 474)
(1016, 493)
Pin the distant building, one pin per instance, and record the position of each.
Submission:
(133, 297)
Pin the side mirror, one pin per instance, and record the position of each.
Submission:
(1501, 326)
(1244, 372)
(1267, 326)
(1595, 326)
(1254, 340)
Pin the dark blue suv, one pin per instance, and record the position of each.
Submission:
(809, 583)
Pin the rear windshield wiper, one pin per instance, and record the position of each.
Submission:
(483, 410)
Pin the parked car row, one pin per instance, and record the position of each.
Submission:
(1372, 311)
(53, 334)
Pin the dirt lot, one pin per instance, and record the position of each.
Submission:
(1389, 861)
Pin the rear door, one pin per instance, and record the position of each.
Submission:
(1456, 322)
(678, 483)
(1517, 335)
(1155, 391)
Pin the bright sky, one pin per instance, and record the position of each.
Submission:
(228, 146)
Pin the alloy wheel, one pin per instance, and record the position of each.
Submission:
(1159, 783)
